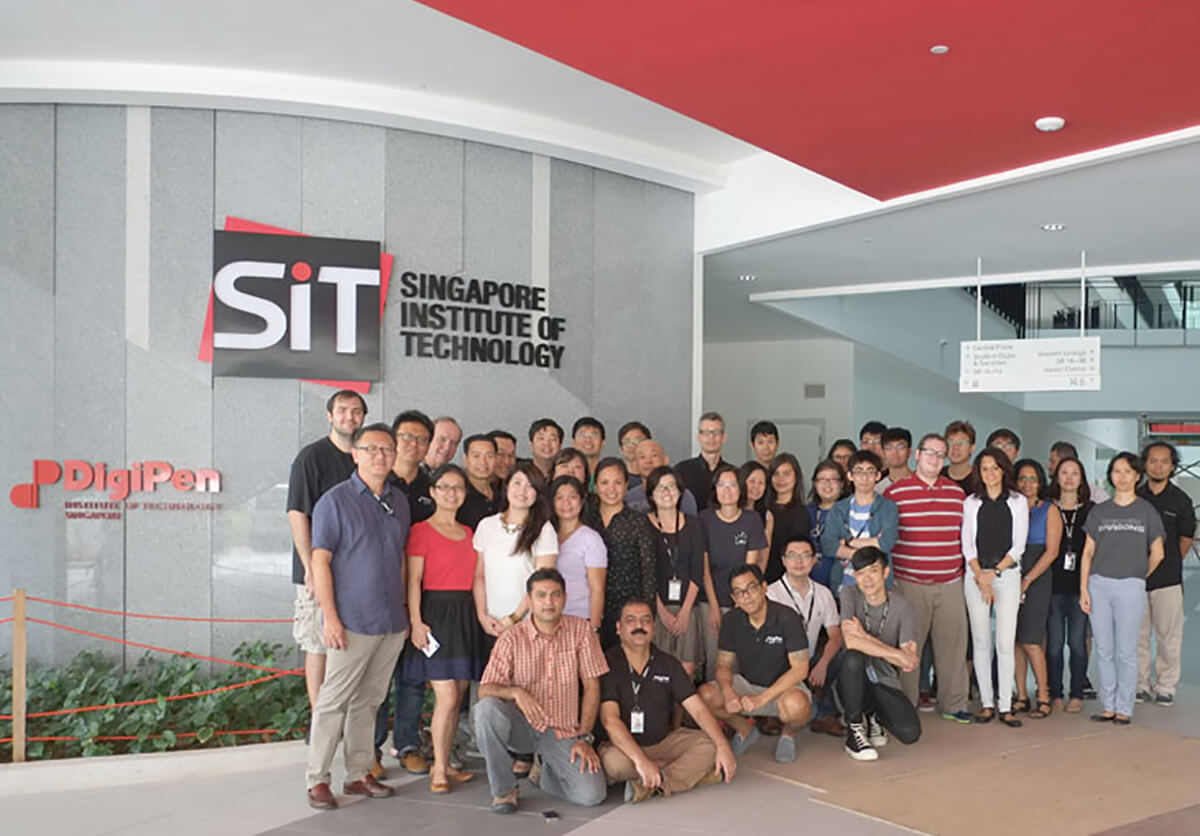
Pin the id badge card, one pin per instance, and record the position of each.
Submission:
(1069, 561)
(675, 591)
(431, 647)
(871, 675)
(637, 721)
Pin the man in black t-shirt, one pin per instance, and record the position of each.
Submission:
(769, 645)
(697, 473)
(316, 469)
(1164, 587)
(638, 696)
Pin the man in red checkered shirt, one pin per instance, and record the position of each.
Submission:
(529, 701)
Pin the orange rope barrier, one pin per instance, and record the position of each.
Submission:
(158, 649)
(52, 602)
(5, 620)
(121, 737)
(6, 599)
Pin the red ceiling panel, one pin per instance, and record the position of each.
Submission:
(849, 88)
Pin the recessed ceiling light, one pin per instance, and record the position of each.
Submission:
(940, 49)
(1050, 124)
(1053, 227)
(746, 277)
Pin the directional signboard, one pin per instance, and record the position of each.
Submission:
(1061, 364)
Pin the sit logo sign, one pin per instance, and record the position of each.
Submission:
(295, 307)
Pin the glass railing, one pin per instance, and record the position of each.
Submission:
(1122, 310)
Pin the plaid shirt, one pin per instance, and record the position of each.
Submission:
(548, 667)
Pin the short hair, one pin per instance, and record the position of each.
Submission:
(548, 573)
(657, 475)
(1065, 450)
(630, 426)
(587, 421)
(505, 434)
(872, 428)
(345, 393)
(1132, 459)
(897, 434)
(841, 442)
(868, 556)
(741, 483)
(477, 438)
(1083, 493)
(1003, 432)
(413, 416)
(636, 601)
(1009, 482)
(960, 428)
(448, 467)
(711, 416)
(746, 569)
(377, 427)
(545, 423)
(559, 482)
(612, 461)
(865, 457)
(1043, 483)
(567, 454)
(931, 437)
(1166, 445)
(443, 418)
(764, 428)
(799, 539)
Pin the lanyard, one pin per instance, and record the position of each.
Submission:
(882, 620)
(637, 680)
(1069, 527)
(384, 504)
(670, 541)
(811, 604)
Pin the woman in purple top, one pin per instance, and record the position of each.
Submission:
(582, 555)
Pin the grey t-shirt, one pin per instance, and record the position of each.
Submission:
(890, 622)
(1123, 534)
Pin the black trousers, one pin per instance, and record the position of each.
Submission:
(859, 694)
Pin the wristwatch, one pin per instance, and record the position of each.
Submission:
(587, 737)
(997, 570)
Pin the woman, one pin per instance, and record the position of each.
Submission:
(862, 518)
(446, 645)
(630, 543)
(754, 477)
(734, 536)
(582, 557)
(841, 451)
(789, 516)
(995, 525)
(510, 545)
(1073, 498)
(1124, 545)
(1041, 550)
(679, 552)
(828, 486)
(571, 462)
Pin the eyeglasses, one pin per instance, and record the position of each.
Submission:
(743, 592)
(712, 433)
(797, 555)
(895, 445)
(409, 438)
(372, 450)
(631, 441)
(929, 451)
(1028, 479)
(864, 471)
(1005, 445)
(725, 486)
(450, 488)
(666, 489)
(590, 435)
(959, 442)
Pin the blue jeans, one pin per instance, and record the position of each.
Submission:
(1068, 624)
(825, 705)
(1118, 606)
(408, 698)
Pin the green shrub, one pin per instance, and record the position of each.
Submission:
(92, 678)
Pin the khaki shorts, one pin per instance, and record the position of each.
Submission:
(307, 623)
(745, 688)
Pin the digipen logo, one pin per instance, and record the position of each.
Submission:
(295, 307)
(78, 475)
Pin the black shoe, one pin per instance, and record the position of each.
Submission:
(1103, 718)
(857, 746)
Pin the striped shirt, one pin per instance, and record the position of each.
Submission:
(929, 548)
(548, 667)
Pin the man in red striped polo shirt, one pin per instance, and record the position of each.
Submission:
(928, 563)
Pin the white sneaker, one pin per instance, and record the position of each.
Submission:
(876, 734)
(857, 746)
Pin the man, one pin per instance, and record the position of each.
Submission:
(960, 441)
(638, 697)
(587, 435)
(359, 531)
(880, 634)
(529, 701)
(897, 447)
(506, 454)
(316, 469)
(764, 442)
(870, 437)
(413, 431)
(929, 572)
(1007, 441)
(650, 455)
(482, 499)
(697, 473)
(446, 436)
(1164, 587)
(545, 441)
(630, 435)
(767, 643)
(814, 603)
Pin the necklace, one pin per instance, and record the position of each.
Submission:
(509, 529)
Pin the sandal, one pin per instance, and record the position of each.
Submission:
(439, 787)
(459, 776)
(1011, 720)
(985, 715)
(1074, 706)
(521, 769)
(1020, 706)
(1042, 711)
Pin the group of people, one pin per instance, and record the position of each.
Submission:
(589, 595)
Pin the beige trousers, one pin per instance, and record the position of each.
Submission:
(1164, 609)
(940, 611)
(685, 755)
